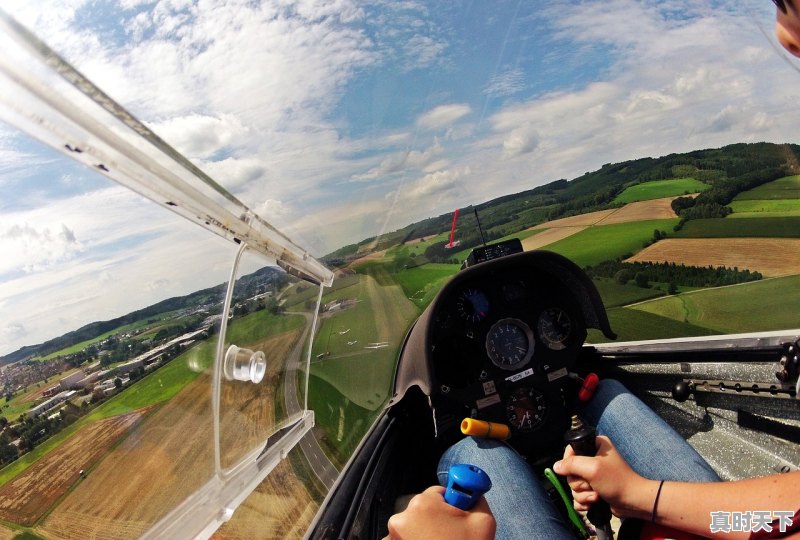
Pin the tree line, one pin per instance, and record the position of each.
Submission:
(669, 272)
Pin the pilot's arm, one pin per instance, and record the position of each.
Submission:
(680, 505)
(429, 516)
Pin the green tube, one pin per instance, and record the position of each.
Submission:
(573, 515)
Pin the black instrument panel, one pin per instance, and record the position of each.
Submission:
(502, 344)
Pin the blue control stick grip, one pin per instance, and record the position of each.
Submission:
(465, 485)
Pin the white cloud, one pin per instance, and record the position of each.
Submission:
(443, 116)
(506, 84)
(409, 159)
(522, 140)
(436, 184)
(199, 136)
(423, 51)
(33, 249)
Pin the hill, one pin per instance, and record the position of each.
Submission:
(720, 174)
(246, 287)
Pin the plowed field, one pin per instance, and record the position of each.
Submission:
(280, 507)
(770, 256)
(168, 457)
(28, 496)
(548, 237)
(636, 211)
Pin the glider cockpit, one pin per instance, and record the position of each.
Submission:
(500, 343)
(504, 342)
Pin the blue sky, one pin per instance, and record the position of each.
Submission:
(338, 120)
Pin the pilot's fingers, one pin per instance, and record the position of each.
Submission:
(580, 466)
(578, 484)
(585, 498)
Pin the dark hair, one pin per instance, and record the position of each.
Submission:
(781, 4)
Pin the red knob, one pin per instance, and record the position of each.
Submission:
(590, 383)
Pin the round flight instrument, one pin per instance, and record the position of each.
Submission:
(554, 328)
(526, 409)
(472, 305)
(509, 344)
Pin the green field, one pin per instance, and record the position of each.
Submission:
(615, 294)
(344, 422)
(769, 304)
(783, 188)
(601, 243)
(658, 189)
(633, 325)
(420, 284)
(760, 227)
(83, 344)
(418, 247)
(764, 207)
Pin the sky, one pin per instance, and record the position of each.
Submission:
(337, 120)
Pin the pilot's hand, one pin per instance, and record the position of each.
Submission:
(429, 516)
(608, 476)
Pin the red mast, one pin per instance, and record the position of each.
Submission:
(453, 229)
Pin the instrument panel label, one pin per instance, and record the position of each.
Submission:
(488, 388)
(521, 375)
(488, 401)
(557, 374)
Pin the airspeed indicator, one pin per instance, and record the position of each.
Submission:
(509, 344)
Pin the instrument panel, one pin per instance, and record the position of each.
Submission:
(502, 345)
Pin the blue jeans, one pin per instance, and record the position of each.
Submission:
(518, 501)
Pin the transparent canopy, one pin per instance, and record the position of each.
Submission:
(219, 222)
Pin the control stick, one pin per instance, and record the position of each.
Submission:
(465, 485)
(581, 437)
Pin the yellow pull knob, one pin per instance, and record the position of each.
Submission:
(481, 428)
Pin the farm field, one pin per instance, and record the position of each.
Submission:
(635, 211)
(615, 294)
(580, 220)
(342, 421)
(247, 412)
(168, 457)
(600, 243)
(782, 188)
(159, 386)
(548, 236)
(641, 211)
(27, 497)
(658, 189)
(8, 534)
(632, 325)
(280, 507)
(750, 208)
(770, 256)
(170, 454)
(754, 227)
(421, 283)
(750, 307)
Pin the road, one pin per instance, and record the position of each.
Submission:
(320, 464)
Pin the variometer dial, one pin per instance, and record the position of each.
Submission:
(472, 305)
(509, 344)
(554, 328)
(526, 409)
